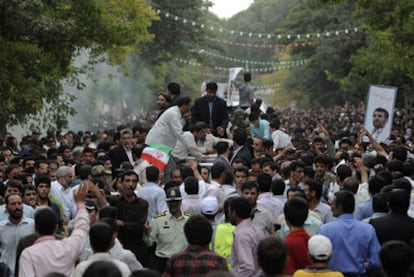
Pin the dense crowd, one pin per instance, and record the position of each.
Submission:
(211, 191)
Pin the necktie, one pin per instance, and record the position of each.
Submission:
(210, 108)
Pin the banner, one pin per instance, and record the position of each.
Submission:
(221, 90)
(233, 72)
(380, 111)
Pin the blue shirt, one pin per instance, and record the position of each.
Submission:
(262, 131)
(155, 197)
(10, 234)
(364, 210)
(353, 243)
(324, 211)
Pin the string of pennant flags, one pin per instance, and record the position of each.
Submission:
(258, 69)
(263, 46)
(275, 85)
(325, 34)
(236, 60)
(223, 77)
(257, 45)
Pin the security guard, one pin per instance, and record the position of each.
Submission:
(167, 230)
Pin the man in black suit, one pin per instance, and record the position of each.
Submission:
(241, 149)
(122, 153)
(211, 110)
(223, 153)
(396, 225)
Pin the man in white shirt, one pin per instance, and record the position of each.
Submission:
(182, 152)
(265, 198)
(15, 187)
(313, 192)
(280, 138)
(12, 229)
(191, 203)
(168, 129)
(61, 188)
(102, 238)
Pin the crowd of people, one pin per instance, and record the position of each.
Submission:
(243, 192)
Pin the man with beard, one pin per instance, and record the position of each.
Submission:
(163, 103)
(260, 217)
(181, 152)
(322, 173)
(246, 239)
(62, 190)
(296, 174)
(42, 184)
(29, 195)
(379, 120)
(168, 129)
(313, 192)
(211, 110)
(132, 216)
(122, 153)
(12, 229)
(15, 187)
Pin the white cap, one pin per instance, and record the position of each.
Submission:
(209, 205)
(320, 247)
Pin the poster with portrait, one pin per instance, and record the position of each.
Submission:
(380, 110)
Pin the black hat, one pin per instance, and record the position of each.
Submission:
(173, 194)
(346, 140)
(124, 167)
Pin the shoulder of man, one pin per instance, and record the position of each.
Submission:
(160, 215)
(187, 214)
(200, 99)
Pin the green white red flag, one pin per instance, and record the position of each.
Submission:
(157, 154)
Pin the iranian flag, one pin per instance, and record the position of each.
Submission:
(157, 155)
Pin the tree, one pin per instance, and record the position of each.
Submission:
(330, 59)
(179, 32)
(387, 60)
(39, 39)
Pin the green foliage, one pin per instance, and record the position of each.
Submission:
(341, 70)
(173, 37)
(148, 71)
(133, 52)
(263, 17)
(330, 59)
(388, 58)
(38, 40)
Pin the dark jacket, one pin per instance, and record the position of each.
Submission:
(201, 112)
(117, 155)
(244, 153)
(393, 226)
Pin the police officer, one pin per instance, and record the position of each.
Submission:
(167, 230)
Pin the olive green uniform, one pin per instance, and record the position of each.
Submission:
(168, 233)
